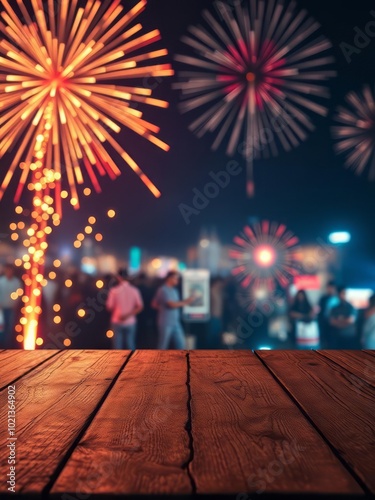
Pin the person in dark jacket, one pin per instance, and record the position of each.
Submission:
(342, 319)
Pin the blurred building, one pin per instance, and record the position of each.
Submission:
(209, 253)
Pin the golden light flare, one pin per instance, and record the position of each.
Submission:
(110, 334)
(59, 109)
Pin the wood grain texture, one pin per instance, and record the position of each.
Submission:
(342, 410)
(137, 443)
(53, 403)
(248, 436)
(358, 363)
(14, 364)
(371, 353)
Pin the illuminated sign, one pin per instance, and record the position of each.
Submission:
(196, 283)
(307, 282)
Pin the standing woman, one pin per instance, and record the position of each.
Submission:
(303, 315)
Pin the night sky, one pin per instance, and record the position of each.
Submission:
(308, 189)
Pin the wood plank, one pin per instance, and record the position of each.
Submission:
(53, 403)
(371, 353)
(137, 443)
(248, 435)
(358, 363)
(14, 364)
(342, 410)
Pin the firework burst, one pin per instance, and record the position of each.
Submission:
(57, 100)
(355, 133)
(258, 75)
(59, 107)
(265, 255)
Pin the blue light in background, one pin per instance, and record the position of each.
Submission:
(339, 238)
(135, 260)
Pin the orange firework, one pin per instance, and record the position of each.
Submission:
(59, 105)
(54, 75)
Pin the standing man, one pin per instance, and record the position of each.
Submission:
(125, 303)
(342, 319)
(168, 303)
(9, 284)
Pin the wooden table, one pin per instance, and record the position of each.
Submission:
(236, 423)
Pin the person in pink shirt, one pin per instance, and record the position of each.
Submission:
(125, 303)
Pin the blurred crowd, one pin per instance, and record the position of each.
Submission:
(143, 312)
(334, 323)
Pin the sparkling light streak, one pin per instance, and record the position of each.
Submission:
(355, 132)
(36, 308)
(59, 111)
(258, 75)
(265, 255)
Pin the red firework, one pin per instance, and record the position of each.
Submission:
(259, 73)
(355, 133)
(265, 255)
